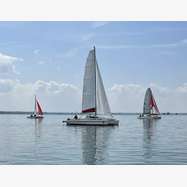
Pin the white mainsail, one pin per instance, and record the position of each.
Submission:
(150, 105)
(94, 96)
(89, 85)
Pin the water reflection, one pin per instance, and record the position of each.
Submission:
(149, 126)
(38, 127)
(37, 133)
(94, 144)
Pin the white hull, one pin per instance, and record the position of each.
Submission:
(92, 122)
(149, 117)
(35, 117)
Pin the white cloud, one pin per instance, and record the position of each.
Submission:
(70, 53)
(53, 87)
(54, 96)
(97, 24)
(7, 85)
(182, 88)
(138, 46)
(126, 97)
(7, 64)
(41, 62)
(36, 51)
(59, 96)
(129, 97)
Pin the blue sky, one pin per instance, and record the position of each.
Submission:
(135, 54)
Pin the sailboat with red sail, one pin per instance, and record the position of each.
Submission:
(38, 113)
(150, 108)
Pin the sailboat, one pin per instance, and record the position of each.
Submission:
(150, 109)
(38, 113)
(95, 107)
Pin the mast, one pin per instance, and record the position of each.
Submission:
(95, 82)
(35, 104)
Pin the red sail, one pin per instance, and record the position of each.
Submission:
(153, 104)
(89, 110)
(39, 109)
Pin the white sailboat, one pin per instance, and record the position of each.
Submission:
(38, 113)
(150, 109)
(95, 107)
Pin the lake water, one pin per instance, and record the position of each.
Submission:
(28, 141)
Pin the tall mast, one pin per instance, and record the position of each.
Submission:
(35, 104)
(95, 82)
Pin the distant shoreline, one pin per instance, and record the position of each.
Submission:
(71, 113)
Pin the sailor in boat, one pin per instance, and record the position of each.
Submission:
(76, 116)
(141, 115)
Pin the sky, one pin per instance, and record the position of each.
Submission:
(48, 59)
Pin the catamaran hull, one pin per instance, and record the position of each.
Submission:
(149, 117)
(35, 117)
(92, 122)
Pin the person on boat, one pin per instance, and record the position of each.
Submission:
(75, 117)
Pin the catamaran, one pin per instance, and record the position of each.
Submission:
(150, 109)
(38, 113)
(95, 107)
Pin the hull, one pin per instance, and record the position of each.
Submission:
(92, 122)
(149, 117)
(35, 117)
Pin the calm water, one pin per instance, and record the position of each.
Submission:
(27, 141)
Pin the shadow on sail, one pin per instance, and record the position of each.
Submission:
(94, 144)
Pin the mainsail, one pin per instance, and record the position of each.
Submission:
(89, 85)
(150, 105)
(94, 96)
(38, 108)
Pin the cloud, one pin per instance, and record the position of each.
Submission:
(41, 62)
(7, 85)
(36, 51)
(53, 87)
(130, 97)
(69, 53)
(7, 64)
(54, 96)
(182, 88)
(98, 24)
(126, 97)
(64, 97)
(138, 46)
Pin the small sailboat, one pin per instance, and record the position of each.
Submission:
(150, 109)
(38, 113)
(95, 107)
